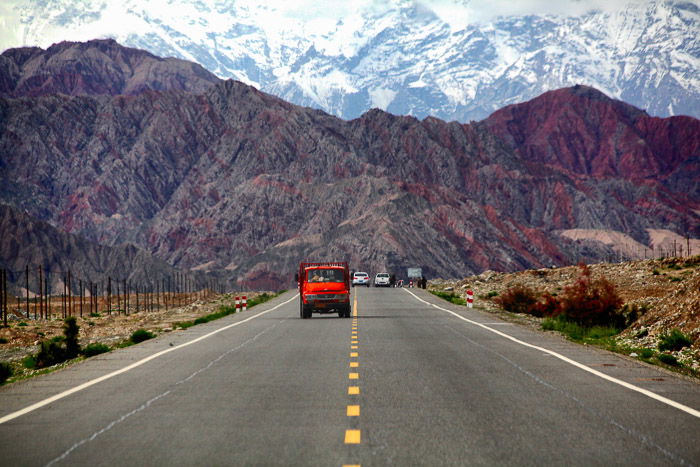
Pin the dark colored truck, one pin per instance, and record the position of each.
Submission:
(324, 288)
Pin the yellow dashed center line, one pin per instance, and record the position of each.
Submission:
(352, 436)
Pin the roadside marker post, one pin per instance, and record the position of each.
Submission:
(238, 304)
(244, 303)
(470, 298)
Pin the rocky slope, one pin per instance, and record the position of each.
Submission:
(236, 179)
(99, 67)
(28, 242)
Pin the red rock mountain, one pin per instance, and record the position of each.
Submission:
(232, 178)
(57, 253)
(95, 68)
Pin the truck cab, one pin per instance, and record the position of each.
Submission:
(324, 288)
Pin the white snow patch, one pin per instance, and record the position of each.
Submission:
(381, 97)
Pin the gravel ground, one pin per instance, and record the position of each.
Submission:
(23, 335)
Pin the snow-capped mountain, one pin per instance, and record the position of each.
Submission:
(403, 56)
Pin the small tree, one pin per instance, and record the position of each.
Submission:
(59, 349)
(70, 331)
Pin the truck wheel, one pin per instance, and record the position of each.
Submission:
(306, 313)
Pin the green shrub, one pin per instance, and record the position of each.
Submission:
(60, 348)
(675, 340)
(450, 297)
(517, 299)
(577, 332)
(94, 314)
(95, 348)
(668, 359)
(29, 362)
(50, 353)
(22, 323)
(141, 335)
(70, 332)
(646, 354)
(5, 371)
(262, 298)
(655, 272)
(590, 301)
(601, 332)
(3, 340)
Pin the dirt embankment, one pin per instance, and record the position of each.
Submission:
(669, 289)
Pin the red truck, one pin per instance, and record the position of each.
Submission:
(324, 288)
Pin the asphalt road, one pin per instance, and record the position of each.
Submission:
(418, 385)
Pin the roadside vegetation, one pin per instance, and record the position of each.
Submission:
(450, 297)
(590, 311)
(59, 351)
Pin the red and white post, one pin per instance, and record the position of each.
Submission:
(470, 299)
(244, 303)
(238, 304)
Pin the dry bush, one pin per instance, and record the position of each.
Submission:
(548, 307)
(517, 299)
(592, 301)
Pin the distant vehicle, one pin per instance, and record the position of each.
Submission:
(382, 279)
(360, 278)
(324, 288)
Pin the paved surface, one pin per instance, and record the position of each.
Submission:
(422, 387)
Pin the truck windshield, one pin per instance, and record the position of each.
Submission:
(324, 275)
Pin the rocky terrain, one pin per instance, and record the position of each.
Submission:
(669, 289)
(232, 179)
(24, 239)
(96, 68)
(22, 337)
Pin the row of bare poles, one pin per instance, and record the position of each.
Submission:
(106, 296)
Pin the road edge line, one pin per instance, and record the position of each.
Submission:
(625, 384)
(92, 382)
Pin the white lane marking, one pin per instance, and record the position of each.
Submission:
(653, 395)
(92, 382)
(148, 403)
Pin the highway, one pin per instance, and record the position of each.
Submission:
(402, 382)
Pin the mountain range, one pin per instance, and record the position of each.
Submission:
(29, 243)
(230, 178)
(402, 56)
